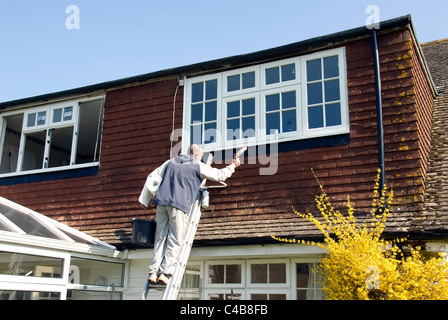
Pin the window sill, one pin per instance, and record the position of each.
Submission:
(49, 174)
(280, 140)
(225, 154)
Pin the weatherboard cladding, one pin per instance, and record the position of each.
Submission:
(136, 139)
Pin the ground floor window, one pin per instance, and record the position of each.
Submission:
(252, 279)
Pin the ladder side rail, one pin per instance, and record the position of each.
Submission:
(181, 264)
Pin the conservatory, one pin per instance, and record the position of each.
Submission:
(43, 259)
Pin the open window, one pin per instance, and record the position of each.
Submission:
(58, 136)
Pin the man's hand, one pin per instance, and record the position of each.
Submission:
(236, 162)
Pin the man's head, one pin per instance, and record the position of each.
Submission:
(196, 152)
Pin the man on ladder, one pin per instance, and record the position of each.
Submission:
(182, 178)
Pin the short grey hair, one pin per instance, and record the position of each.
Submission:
(195, 150)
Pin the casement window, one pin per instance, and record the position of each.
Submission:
(291, 99)
(253, 279)
(58, 136)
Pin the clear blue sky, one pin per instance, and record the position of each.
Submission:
(118, 39)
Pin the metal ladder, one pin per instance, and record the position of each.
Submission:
(173, 286)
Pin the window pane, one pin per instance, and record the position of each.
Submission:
(93, 295)
(28, 295)
(277, 273)
(197, 92)
(11, 143)
(333, 114)
(259, 273)
(289, 121)
(289, 100)
(273, 102)
(100, 273)
(331, 67)
(216, 274)
(272, 75)
(211, 111)
(272, 123)
(34, 150)
(41, 118)
(191, 283)
(277, 296)
(196, 113)
(289, 72)
(233, 273)
(57, 115)
(315, 93)
(302, 295)
(89, 132)
(61, 147)
(259, 296)
(248, 107)
(227, 296)
(233, 129)
(196, 134)
(68, 113)
(233, 109)
(332, 92)
(248, 127)
(19, 264)
(233, 83)
(314, 70)
(303, 271)
(211, 89)
(249, 80)
(315, 117)
(210, 133)
(31, 120)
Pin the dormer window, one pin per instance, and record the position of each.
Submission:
(53, 137)
(291, 99)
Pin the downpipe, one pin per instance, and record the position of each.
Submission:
(379, 110)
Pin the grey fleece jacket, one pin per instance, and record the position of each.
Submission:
(182, 177)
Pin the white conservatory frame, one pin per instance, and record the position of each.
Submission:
(65, 248)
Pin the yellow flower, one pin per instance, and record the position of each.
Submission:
(353, 247)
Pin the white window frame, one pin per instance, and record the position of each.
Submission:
(209, 285)
(294, 275)
(240, 72)
(345, 126)
(73, 122)
(187, 111)
(268, 285)
(279, 64)
(268, 291)
(280, 136)
(261, 89)
(246, 141)
(24, 283)
(225, 292)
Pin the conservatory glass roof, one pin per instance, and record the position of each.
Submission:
(23, 221)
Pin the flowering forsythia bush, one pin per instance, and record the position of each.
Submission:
(360, 265)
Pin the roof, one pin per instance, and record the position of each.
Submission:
(19, 224)
(223, 63)
(435, 216)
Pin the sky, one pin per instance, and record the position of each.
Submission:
(46, 46)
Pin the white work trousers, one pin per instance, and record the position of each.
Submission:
(170, 232)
